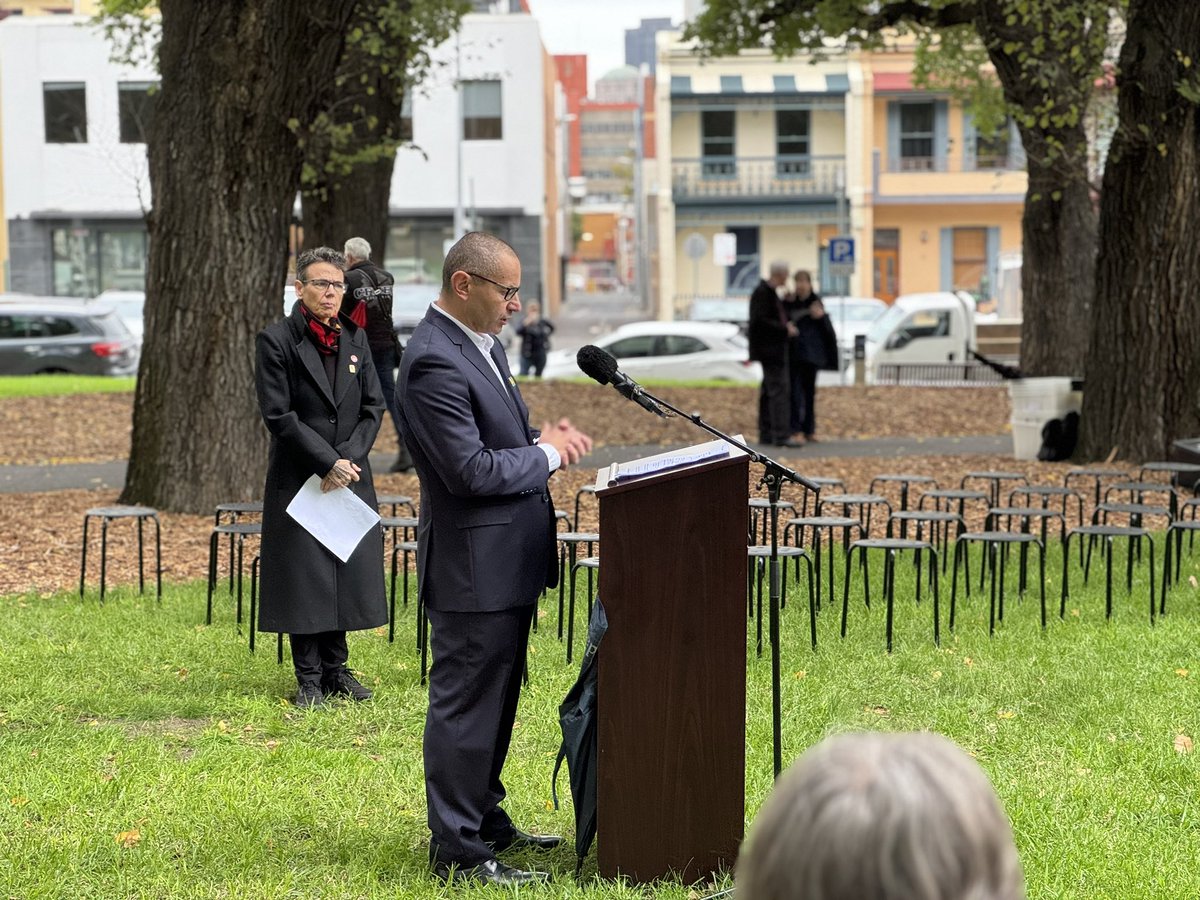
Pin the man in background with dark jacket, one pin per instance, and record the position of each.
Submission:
(769, 332)
(368, 302)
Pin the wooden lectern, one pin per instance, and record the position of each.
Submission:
(671, 692)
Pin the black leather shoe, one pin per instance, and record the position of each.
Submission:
(789, 445)
(490, 871)
(340, 681)
(519, 840)
(309, 695)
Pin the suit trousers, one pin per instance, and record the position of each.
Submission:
(384, 360)
(774, 399)
(315, 654)
(474, 687)
(804, 397)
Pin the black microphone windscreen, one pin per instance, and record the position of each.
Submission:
(596, 363)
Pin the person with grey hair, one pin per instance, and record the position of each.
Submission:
(884, 816)
(768, 333)
(321, 402)
(485, 551)
(368, 301)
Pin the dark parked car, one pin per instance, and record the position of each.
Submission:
(60, 334)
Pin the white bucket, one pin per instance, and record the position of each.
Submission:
(1035, 401)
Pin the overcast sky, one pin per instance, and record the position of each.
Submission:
(597, 27)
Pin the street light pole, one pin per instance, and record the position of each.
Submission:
(639, 194)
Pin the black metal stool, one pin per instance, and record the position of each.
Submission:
(237, 531)
(591, 564)
(759, 555)
(568, 543)
(864, 503)
(939, 523)
(587, 489)
(944, 498)
(402, 550)
(817, 523)
(254, 613)
(1024, 515)
(233, 512)
(995, 544)
(905, 481)
(994, 479)
(890, 546)
(394, 501)
(760, 511)
(1098, 477)
(1107, 533)
(107, 514)
(1174, 538)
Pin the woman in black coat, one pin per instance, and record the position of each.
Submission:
(813, 348)
(320, 399)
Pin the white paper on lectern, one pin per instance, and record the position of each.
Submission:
(338, 519)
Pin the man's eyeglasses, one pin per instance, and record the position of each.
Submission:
(509, 292)
(323, 285)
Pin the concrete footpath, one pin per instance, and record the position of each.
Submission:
(111, 475)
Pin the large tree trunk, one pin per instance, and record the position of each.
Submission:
(224, 165)
(1058, 233)
(354, 205)
(1059, 224)
(1143, 370)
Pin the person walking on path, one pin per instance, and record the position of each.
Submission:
(368, 301)
(813, 348)
(769, 332)
(534, 332)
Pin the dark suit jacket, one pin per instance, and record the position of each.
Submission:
(305, 588)
(486, 533)
(767, 332)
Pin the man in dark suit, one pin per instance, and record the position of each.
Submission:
(486, 549)
(769, 332)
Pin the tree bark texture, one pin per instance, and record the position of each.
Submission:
(1058, 226)
(239, 77)
(1143, 370)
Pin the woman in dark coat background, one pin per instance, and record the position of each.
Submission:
(813, 348)
(320, 399)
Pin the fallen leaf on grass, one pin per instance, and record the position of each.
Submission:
(801, 674)
(1182, 673)
(1183, 744)
(130, 838)
(935, 674)
(1192, 581)
(1075, 613)
(968, 662)
(1005, 714)
(878, 710)
(18, 801)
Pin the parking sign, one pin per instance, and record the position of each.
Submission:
(841, 256)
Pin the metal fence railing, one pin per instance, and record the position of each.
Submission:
(969, 374)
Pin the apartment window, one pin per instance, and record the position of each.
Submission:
(916, 136)
(791, 142)
(991, 150)
(65, 107)
(717, 143)
(731, 84)
(969, 265)
(135, 105)
(482, 120)
(91, 259)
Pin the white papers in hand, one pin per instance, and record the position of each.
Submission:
(338, 519)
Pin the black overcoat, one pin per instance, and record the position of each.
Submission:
(305, 588)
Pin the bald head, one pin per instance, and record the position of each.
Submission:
(779, 273)
(478, 252)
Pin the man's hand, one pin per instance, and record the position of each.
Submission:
(342, 473)
(792, 330)
(569, 441)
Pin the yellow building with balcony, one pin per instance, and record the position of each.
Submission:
(781, 155)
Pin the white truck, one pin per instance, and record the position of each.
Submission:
(937, 327)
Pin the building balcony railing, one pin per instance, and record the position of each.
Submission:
(761, 178)
(996, 163)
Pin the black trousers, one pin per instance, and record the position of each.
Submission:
(384, 360)
(773, 404)
(804, 394)
(474, 687)
(315, 654)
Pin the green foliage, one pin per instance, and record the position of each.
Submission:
(149, 755)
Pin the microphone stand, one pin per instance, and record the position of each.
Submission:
(773, 477)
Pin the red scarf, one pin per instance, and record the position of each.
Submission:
(325, 336)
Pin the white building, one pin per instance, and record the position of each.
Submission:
(76, 185)
(76, 188)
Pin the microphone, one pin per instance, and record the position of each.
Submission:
(600, 365)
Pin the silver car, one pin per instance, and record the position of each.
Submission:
(59, 334)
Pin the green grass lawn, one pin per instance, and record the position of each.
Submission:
(51, 385)
(146, 755)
